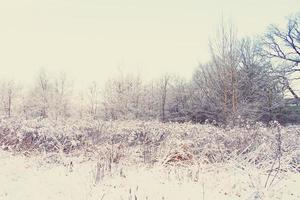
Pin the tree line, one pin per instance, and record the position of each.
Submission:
(248, 78)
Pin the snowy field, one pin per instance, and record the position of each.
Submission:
(35, 179)
(129, 105)
(134, 160)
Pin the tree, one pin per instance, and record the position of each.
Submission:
(60, 100)
(39, 98)
(93, 98)
(283, 45)
(163, 85)
(179, 100)
(43, 89)
(151, 103)
(238, 81)
(259, 92)
(122, 98)
(9, 93)
(217, 80)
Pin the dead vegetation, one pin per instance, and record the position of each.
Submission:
(128, 142)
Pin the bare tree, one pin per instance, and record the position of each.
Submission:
(163, 91)
(122, 97)
(62, 92)
(81, 104)
(180, 94)
(9, 93)
(43, 88)
(259, 91)
(93, 98)
(217, 80)
(284, 45)
(39, 98)
(150, 107)
(239, 81)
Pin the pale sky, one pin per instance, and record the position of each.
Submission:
(92, 39)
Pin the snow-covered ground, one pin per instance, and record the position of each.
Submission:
(32, 178)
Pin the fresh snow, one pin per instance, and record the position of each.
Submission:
(32, 178)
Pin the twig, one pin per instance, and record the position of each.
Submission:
(278, 157)
(271, 170)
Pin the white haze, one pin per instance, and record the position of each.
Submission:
(93, 40)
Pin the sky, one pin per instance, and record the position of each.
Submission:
(93, 40)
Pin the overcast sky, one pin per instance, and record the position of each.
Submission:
(92, 39)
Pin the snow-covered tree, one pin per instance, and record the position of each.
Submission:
(10, 97)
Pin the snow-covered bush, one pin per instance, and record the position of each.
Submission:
(154, 142)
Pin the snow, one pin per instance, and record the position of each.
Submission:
(33, 178)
